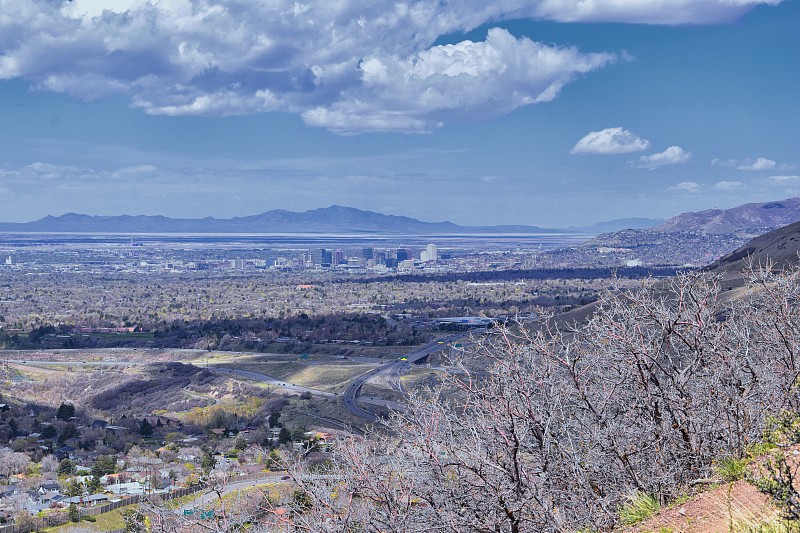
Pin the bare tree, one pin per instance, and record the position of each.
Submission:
(549, 429)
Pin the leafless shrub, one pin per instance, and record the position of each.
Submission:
(549, 429)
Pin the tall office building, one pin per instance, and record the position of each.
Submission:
(430, 253)
(339, 257)
(321, 256)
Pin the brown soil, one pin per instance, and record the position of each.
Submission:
(731, 507)
(715, 511)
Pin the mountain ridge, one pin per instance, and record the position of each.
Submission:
(778, 248)
(332, 219)
(748, 219)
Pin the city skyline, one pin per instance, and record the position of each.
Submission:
(540, 113)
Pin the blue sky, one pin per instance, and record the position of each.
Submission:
(545, 112)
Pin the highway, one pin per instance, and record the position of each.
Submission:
(395, 369)
(350, 396)
(257, 376)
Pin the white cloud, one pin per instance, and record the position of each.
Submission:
(716, 162)
(441, 84)
(610, 141)
(686, 186)
(762, 163)
(673, 155)
(728, 185)
(350, 65)
(783, 180)
(646, 11)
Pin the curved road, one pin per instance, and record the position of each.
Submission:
(395, 368)
(257, 376)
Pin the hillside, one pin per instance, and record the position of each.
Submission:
(748, 219)
(333, 219)
(780, 246)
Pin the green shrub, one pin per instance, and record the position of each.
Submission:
(731, 469)
(640, 506)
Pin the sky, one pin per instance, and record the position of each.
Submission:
(542, 112)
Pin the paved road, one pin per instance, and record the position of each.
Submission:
(395, 369)
(34, 362)
(201, 501)
(212, 496)
(257, 376)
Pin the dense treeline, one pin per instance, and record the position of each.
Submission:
(291, 333)
(534, 274)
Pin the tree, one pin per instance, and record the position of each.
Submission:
(66, 411)
(145, 428)
(208, 462)
(12, 462)
(549, 428)
(105, 464)
(240, 443)
(66, 468)
(74, 487)
(73, 513)
(67, 432)
(94, 485)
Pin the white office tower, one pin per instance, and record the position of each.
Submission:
(430, 253)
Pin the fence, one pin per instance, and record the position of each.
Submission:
(38, 523)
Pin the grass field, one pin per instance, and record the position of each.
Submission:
(328, 377)
(105, 522)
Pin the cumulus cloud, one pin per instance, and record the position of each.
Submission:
(674, 155)
(440, 84)
(352, 65)
(762, 163)
(610, 141)
(686, 186)
(728, 185)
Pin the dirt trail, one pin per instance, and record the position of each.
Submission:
(714, 511)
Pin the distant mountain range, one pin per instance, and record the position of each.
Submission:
(748, 219)
(745, 220)
(334, 219)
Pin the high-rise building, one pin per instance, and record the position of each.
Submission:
(367, 253)
(323, 257)
(430, 253)
(403, 254)
(339, 257)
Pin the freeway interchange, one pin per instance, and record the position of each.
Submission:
(395, 369)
